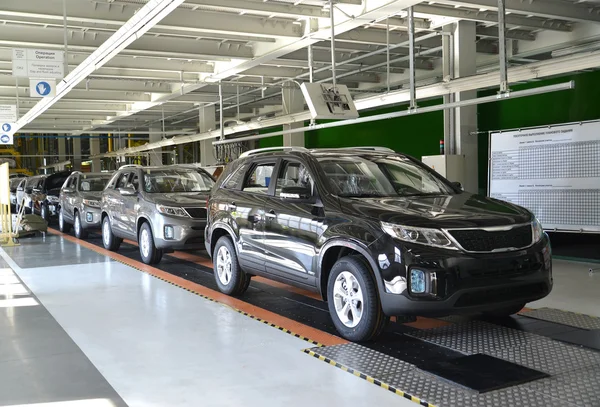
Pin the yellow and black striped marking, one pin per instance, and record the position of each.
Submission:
(369, 379)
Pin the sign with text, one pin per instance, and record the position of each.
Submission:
(41, 88)
(38, 63)
(8, 113)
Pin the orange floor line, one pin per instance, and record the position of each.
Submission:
(273, 318)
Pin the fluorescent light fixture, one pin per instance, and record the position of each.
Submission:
(6, 272)
(13, 289)
(18, 302)
(71, 403)
(143, 20)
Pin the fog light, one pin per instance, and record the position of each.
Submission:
(169, 232)
(89, 217)
(417, 281)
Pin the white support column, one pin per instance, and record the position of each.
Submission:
(62, 149)
(465, 118)
(156, 156)
(208, 121)
(95, 150)
(76, 153)
(293, 102)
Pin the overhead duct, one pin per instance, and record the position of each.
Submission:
(492, 79)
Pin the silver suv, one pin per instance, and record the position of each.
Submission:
(163, 208)
(79, 202)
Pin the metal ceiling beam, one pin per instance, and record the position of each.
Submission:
(262, 8)
(180, 20)
(147, 46)
(492, 17)
(560, 10)
(493, 32)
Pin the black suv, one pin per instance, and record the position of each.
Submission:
(377, 233)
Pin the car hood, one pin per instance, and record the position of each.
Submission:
(441, 211)
(187, 199)
(92, 195)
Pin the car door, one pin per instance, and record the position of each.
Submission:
(69, 193)
(115, 202)
(293, 225)
(130, 205)
(246, 210)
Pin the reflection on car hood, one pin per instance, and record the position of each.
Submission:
(92, 195)
(442, 211)
(189, 199)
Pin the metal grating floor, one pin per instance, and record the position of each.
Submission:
(564, 317)
(574, 371)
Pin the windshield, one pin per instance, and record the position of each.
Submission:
(176, 180)
(93, 184)
(377, 176)
(55, 182)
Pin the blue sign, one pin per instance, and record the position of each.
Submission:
(43, 88)
(5, 138)
(6, 127)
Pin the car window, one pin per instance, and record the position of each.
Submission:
(259, 179)
(235, 179)
(122, 182)
(135, 182)
(293, 175)
(94, 183)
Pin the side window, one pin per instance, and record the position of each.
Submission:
(259, 179)
(135, 181)
(293, 175)
(122, 182)
(235, 179)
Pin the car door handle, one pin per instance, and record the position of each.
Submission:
(271, 214)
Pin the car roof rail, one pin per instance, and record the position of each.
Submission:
(266, 149)
(130, 166)
(374, 148)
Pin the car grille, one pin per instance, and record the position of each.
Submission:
(196, 213)
(479, 240)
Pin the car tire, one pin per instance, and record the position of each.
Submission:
(148, 251)
(505, 311)
(63, 226)
(230, 277)
(80, 232)
(109, 240)
(356, 312)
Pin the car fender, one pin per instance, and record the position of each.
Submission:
(223, 225)
(357, 246)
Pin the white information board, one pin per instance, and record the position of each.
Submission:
(552, 171)
(38, 63)
(8, 113)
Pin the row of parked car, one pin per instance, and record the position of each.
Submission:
(376, 233)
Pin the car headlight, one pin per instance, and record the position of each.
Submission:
(52, 199)
(171, 210)
(424, 236)
(538, 230)
(92, 203)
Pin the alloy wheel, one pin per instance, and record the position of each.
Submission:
(224, 270)
(348, 299)
(145, 242)
(106, 233)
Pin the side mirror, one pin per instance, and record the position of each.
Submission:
(458, 186)
(128, 191)
(296, 193)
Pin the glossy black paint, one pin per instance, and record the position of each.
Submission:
(294, 240)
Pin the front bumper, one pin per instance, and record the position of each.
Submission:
(465, 283)
(187, 234)
(91, 218)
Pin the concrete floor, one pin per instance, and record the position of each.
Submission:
(107, 332)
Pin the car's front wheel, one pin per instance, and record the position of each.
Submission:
(63, 226)
(148, 251)
(230, 277)
(80, 232)
(353, 301)
(109, 240)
